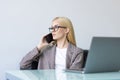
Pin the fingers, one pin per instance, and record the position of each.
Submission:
(42, 43)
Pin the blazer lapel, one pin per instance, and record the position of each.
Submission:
(52, 57)
(69, 55)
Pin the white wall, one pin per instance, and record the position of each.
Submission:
(23, 22)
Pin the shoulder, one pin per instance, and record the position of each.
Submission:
(74, 48)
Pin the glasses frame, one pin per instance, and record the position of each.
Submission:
(55, 28)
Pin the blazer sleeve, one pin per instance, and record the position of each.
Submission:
(26, 62)
(77, 61)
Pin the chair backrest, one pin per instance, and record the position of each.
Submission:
(85, 53)
(34, 65)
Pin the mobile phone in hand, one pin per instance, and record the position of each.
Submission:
(49, 38)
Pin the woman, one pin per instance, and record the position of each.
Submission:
(62, 53)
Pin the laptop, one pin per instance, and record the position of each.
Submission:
(103, 56)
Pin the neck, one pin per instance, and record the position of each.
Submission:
(62, 43)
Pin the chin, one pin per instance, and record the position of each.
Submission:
(54, 39)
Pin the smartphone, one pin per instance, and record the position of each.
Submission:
(49, 37)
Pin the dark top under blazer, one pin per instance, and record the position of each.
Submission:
(46, 58)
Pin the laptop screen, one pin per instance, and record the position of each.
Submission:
(104, 55)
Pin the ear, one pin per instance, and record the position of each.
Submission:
(67, 30)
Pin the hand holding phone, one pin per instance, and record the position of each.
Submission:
(45, 41)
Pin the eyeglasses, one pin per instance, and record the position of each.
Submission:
(55, 28)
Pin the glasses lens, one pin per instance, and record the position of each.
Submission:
(55, 28)
(51, 29)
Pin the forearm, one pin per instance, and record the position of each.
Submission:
(26, 62)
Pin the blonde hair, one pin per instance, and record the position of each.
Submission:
(64, 21)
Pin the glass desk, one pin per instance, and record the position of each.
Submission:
(58, 75)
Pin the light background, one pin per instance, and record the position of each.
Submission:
(23, 22)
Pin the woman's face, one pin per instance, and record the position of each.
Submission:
(59, 31)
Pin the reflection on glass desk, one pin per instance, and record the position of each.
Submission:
(58, 75)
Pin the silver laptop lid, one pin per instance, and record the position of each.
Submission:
(104, 55)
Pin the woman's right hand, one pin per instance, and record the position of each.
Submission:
(42, 43)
